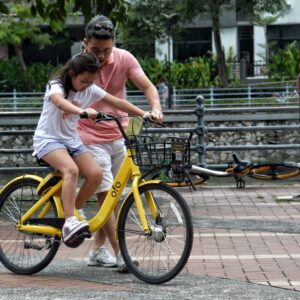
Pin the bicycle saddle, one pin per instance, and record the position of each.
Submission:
(242, 165)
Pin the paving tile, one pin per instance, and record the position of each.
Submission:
(239, 234)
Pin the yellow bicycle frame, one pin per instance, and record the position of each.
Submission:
(127, 170)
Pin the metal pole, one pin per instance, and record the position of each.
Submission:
(200, 130)
(169, 73)
(14, 99)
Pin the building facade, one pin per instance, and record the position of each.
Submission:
(240, 38)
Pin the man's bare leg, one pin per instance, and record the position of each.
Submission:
(108, 230)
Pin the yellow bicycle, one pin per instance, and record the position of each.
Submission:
(193, 175)
(262, 171)
(154, 225)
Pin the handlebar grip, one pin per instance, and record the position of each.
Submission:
(83, 115)
(100, 115)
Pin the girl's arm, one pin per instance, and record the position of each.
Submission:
(123, 105)
(68, 107)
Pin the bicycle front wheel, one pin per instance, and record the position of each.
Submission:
(24, 252)
(158, 257)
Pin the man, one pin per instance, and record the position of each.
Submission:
(103, 139)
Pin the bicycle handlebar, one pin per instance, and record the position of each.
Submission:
(108, 117)
(102, 116)
(84, 115)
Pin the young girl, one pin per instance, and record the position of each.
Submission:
(56, 140)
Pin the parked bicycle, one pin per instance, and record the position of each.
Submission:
(238, 169)
(191, 175)
(154, 225)
(263, 171)
(284, 97)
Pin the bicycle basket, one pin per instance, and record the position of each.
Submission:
(146, 152)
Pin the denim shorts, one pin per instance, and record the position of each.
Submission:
(51, 146)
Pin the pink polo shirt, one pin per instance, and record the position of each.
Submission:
(120, 67)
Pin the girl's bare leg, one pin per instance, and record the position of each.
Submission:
(92, 173)
(61, 160)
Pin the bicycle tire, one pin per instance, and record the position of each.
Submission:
(159, 257)
(23, 253)
(275, 171)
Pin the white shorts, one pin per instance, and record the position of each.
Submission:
(110, 157)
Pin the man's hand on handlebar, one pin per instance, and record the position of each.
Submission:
(158, 116)
(154, 116)
(148, 116)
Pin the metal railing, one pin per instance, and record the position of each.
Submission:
(250, 96)
(198, 127)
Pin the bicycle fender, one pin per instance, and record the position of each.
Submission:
(126, 199)
(35, 177)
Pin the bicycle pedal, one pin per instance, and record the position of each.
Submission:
(73, 243)
(78, 238)
(85, 235)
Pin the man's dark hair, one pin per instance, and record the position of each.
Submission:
(100, 27)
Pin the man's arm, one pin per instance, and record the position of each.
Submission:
(150, 91)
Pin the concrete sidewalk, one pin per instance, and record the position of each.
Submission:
(246, 246)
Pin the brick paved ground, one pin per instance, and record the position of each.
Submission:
(244, 235)
(247, 235)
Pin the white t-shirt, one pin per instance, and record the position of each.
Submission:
(55, 124)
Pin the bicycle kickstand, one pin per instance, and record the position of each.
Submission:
(188, 179)
(240, 183)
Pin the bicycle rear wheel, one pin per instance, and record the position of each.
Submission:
(23, 252)
(273, 171)
(160, 256)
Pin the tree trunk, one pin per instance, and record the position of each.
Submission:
(221, 62)
(19, 53)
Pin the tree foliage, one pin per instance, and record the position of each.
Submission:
(147, 20)
(257, 9)
(56, 11)
(18, 26)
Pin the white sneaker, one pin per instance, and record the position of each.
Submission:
(101, 258)
(73, 226)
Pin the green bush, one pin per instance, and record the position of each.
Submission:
(197, 72)
(12, 76)
(285, 63)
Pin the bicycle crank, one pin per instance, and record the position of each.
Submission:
(31, 245)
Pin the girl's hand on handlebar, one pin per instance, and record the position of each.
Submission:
(89, 113)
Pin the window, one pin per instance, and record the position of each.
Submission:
(283, 35)
(193, 42)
